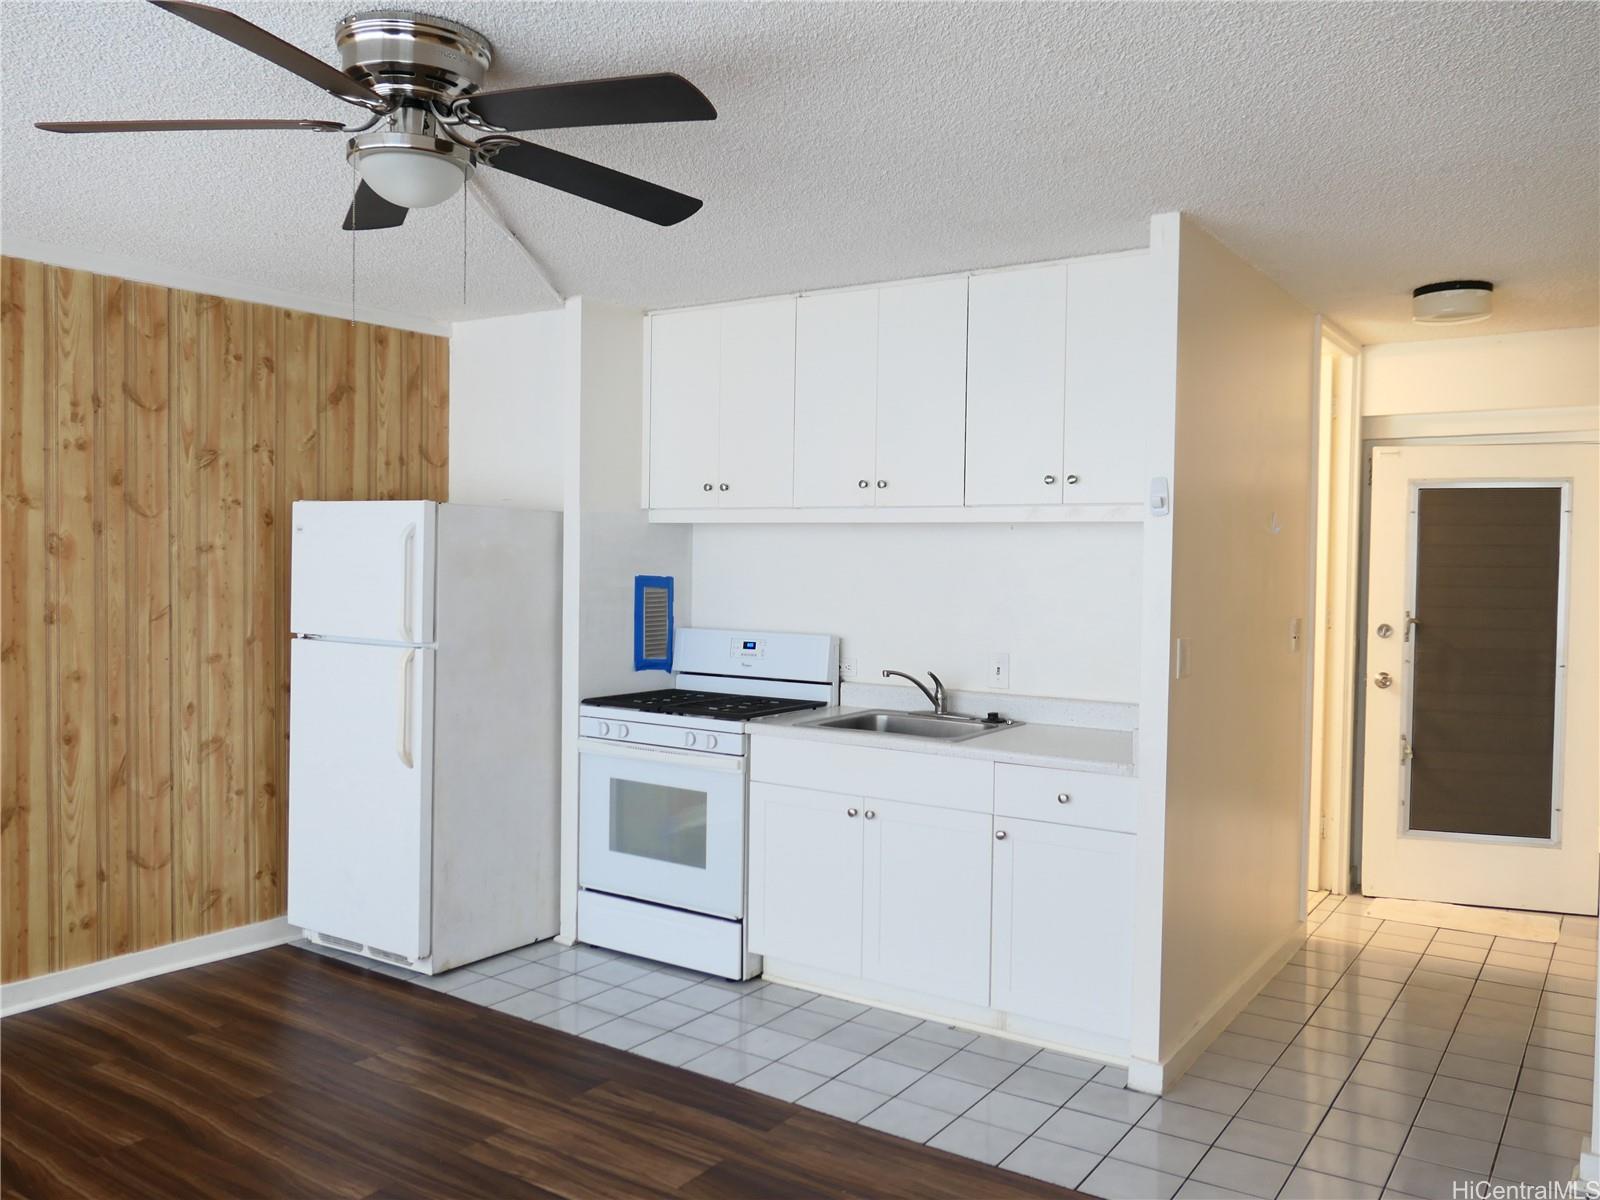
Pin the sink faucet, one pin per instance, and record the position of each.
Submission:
(935, 697)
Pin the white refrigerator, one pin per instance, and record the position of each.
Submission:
(424, 728)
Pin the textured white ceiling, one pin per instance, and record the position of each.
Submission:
(1351, 151)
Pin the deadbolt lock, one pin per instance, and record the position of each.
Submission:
(1384, 679)
(1385, 630)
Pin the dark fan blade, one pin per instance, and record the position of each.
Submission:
(274, 49)
(630, 100)
(180, 126)
(591, 181)
(371, 211)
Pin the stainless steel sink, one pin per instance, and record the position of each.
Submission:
(918, 725)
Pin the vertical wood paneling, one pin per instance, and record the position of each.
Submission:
(261, 690)
(72, 545)
(25, 804)
(150, 610)
(151, 444)
(111, 617)
(188, 813)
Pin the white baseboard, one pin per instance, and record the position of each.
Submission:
(1147, 1075)
(22, 994)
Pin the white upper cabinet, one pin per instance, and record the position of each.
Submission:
(1111, 380)
(685, 369)
(922, 393)
(1016, 384)
(757, 405)
(835, 398)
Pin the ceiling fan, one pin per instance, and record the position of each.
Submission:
(429, 127)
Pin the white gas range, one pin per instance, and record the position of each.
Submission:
(661, 809)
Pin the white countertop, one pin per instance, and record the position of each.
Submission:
(1072, 747)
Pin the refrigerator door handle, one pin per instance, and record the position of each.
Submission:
(408, 544)
(404, 746)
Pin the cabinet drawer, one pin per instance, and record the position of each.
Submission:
(945, 782)
(1093, 801)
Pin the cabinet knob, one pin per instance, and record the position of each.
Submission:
(724, 487)
(999, 835)
(1072, 479)
(869, 814)
(850, 812)
(861, 483)
(883, 483)
(708, 487)
(1062, 798)
(1049, 478)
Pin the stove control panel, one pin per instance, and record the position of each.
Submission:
(643, 733)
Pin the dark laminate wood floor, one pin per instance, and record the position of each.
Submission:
(284, 1074)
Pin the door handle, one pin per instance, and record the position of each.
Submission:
(408, 545)
(403, 749)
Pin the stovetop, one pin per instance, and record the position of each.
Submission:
(681, 702)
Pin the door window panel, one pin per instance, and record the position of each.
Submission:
(1484, 675)
(652, 820)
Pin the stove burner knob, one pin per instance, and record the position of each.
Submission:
(711, 741)
(605, 728)
(622, 731)
(688, 739)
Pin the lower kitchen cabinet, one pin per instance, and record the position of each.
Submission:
(926, 900)
(1062, 950)
(806, 854)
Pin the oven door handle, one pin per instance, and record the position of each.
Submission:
(732, 764)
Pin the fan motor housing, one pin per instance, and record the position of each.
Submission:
(411, 55)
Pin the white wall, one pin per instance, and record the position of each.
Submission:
(506, 393)
(1552, 369)
(1240, 574)
(1061, 600)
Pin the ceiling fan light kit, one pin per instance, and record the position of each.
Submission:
(429, 124)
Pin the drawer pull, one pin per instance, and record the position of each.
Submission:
(1062, 797)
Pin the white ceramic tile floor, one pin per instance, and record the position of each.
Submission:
(1388, 1058)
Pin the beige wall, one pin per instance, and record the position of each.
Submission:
(1240, 575)
(1557, 368)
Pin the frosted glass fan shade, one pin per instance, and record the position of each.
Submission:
(411, 178)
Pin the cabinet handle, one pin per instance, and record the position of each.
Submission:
(1049, 478)
(861, 483)
(869, 814)
(724, 487)
(1072, 479)
(883, 483)
(999, 835)
(850, 812)
(1062, 798)
(708, 487)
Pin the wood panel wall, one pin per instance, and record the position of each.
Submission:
(151, 441)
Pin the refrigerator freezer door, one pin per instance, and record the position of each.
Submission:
(361, 792)
(363, 569)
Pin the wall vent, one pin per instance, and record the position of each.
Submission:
(652, 623)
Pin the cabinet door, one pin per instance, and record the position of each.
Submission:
(805, 877)
(1063, 905)
(922, 393)
(757, 406)
(1111, 363)
(685, 350)
(1016, 356)
(926, 906)
(835, 398)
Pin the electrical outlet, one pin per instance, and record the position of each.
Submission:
(847, 668)
(1000, 672)
(1180, 659)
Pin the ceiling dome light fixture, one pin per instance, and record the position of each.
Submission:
(410, 161)
(1453, 302)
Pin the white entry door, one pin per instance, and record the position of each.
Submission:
(1481, 755)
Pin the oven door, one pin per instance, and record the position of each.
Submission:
(662, 826)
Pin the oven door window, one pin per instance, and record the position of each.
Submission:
(653, 820)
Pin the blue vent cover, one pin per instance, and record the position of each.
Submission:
(652, 623)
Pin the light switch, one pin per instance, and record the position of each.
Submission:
(1000, 672)
(1294, 635)
(1180, 659)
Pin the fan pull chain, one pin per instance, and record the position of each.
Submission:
(355, 224)
(463, 249)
